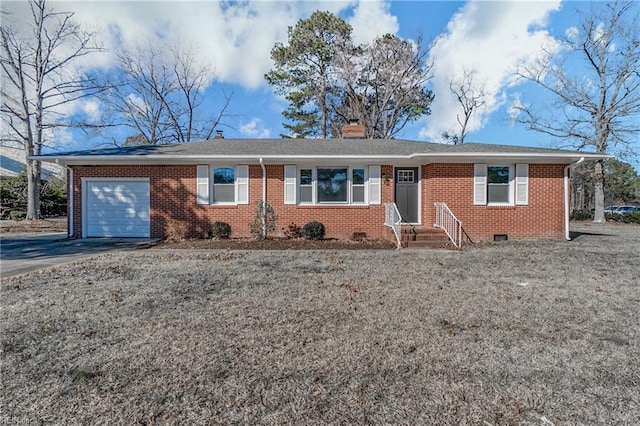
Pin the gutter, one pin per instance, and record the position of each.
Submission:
(181, 159)
(70, 203)
(567, 234)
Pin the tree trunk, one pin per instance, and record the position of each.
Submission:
(33, 190)
(598, 215)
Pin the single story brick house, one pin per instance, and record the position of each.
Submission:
(351, 185)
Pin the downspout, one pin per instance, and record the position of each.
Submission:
(264, 199)
(70, 204)
(567, 234)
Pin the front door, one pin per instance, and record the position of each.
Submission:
(407, 193)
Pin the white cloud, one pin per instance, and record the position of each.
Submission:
(91, 108)
(490, 38)
(372, 19)
(235, 37)
(254, 129)
(515, 107)
(572, 33)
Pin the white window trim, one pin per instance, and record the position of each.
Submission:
(364, 185)
(332, 203)
(511, 185)
(518, 185)
(240, 183)
(314, 184)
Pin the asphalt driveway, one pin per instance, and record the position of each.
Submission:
(21, 253)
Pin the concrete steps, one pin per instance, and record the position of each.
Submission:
(415, 236)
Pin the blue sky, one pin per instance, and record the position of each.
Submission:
(235, 39)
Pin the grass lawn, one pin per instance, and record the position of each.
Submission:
(508, 333)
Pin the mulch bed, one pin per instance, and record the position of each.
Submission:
(276, 244)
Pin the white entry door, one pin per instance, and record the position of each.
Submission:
(116, 208)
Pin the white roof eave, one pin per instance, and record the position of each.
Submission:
(559, 157)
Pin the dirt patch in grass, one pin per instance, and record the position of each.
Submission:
(30, 226)
(514, 332)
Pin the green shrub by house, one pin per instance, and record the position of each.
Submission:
(221, 230)
(313, 230)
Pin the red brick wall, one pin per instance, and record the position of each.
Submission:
(543, 217)
(173, 203)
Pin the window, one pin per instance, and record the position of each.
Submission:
(501, 184)
(306, 186)
(498, 184)
(224, 185)
(405, 176)
(357, 186)
(332, 185)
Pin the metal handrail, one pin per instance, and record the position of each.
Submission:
(393, 219)
(447, 221)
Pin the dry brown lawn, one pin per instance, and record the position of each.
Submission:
(533, 333)
(32, 226)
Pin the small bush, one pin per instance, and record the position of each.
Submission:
(17, 215)
(631, 217)
(313, 230)
(581, 215)
(176, 231)
(293, 231)
(221, 230)
(264, 220)
(623, 218)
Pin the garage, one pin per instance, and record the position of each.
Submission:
(116, 208)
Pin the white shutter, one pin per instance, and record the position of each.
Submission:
(374, 185)
(522, 184)
(289, 184)
(202, 184)
(479, 184)
(242, 184)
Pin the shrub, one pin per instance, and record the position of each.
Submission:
(221, 230)
(176, 231)
(624, 218)
(631, 217)
(293, 231)
(264, 220)
(313, 230)
(17, 215)
(53, 195)
(581, 215)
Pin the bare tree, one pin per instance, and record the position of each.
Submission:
(159, 93)
(385, 86)
(470, 96)
(598, 104)
(39, 80)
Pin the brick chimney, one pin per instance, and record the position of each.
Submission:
(219, 135)
(353, 130)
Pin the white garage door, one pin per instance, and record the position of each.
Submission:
(116, 208)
